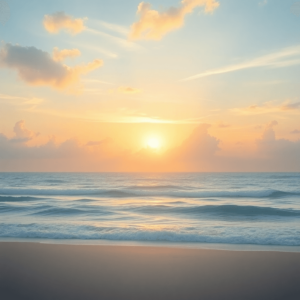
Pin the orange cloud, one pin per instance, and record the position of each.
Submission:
(200, 145)
(37, 67)
(60, 21)
(22, 134)
(153, 25)
(199, 152)
(128, 90)
(61, 55)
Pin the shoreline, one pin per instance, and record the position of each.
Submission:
(204, 246)
(54, 271)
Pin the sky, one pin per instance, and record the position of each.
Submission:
(158, 86)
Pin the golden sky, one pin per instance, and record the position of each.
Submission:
(185, 86)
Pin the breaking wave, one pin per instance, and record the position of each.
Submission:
(240, 235)
(134, 192)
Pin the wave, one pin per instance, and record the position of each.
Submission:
(40, 209)
(120, 193)
(57, 181)
(157, 187)
(14, 209)
(238, 236)
(279, 176)
(173, 209)
(68, 192)
(221, 211)
(17, 199)
(63, 211)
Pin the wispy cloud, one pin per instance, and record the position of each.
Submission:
(128, 90)
(269, 107)
(97, 49)
(9, 97)
(138, 117)
(24, 102)
(284, 58)
(122, 42)
(113, 27)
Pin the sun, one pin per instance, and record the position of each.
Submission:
(153, 143)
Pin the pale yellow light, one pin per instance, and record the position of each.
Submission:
(153, 143)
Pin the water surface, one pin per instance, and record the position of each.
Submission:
(222, 208)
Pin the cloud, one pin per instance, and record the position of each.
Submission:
(280, 59)
(128, 90)
(153, 25)
(94, 143)
(37, 67)
(22, 134)
(291, 106)
(61, 55)
(269, 133)
(124, 43)
(269, 107)
(115, 27)
(99, 143)
(98, 49)
(69, 155)
(25, 103)
(278, 154)
(199, 146)
(60, 21)
(121, 39)
(199, 152)
(296, 131)
(10, 97)
(196, 151)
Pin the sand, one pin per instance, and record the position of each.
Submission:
(43, 271)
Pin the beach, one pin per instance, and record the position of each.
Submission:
(55, 271)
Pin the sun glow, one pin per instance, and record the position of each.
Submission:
(154, 143)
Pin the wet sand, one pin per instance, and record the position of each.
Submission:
(43, 271)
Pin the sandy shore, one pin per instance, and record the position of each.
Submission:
(41, 271)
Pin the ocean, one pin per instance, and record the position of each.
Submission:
(207, 208)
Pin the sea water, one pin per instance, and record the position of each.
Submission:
(223, 208)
